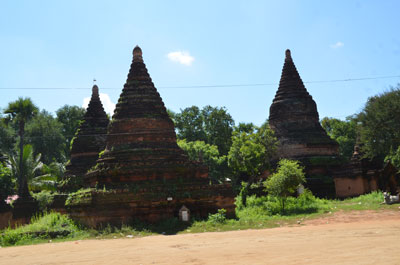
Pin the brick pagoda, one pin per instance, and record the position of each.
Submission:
(144, 174)
(295, 121)
(89, 141)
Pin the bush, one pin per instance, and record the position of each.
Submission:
(42, 227)
(260, 208)
(285, 181)
(217, 218)
(6, 182)
(44, 198)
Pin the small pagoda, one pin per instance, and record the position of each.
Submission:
(142, 173)
(295, 121)
(89, 141)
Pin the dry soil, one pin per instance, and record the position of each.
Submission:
(364, 237)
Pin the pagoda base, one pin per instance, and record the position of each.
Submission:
(98, 208)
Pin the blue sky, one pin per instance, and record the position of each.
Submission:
(65, 44)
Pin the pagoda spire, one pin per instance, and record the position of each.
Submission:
(88, 142)
(141, 138)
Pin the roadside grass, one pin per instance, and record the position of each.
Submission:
(259, 213)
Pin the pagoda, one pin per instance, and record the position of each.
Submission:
(142, 171)
(295, 121)
(89, 141)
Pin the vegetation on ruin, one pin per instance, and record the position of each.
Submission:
(259, 212)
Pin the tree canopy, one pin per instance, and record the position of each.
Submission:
(285, 181)
(213, 125)
(380, 124)
(343, 132)
(44, 133)
(70, 118)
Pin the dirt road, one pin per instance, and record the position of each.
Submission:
(344, 238)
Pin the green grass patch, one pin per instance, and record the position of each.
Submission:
(42, 228)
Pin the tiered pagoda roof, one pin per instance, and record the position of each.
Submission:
(295, 120)
(90, 138)
(141, 141)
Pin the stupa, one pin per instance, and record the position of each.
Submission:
(144, 174)
(295, 121)
(89, 141)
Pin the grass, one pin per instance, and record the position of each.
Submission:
(259, 212)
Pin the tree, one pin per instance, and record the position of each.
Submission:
(44, 133)
(31, 165)
(7, 140)
(218, 126)
(48, 179)
(212, 125)
(285, 181)
(251, 152)
(209, 155)
(343, 132)
(189, 124)
(70, 117)
(380, 124)
(246, 157)
(20, 112)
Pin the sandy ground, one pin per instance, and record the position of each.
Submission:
(365, 237)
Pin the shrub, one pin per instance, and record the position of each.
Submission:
(285, 181)
(217, 218)
(44, 198)
(46, 226)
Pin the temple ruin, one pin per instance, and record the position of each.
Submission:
(149, 177)
(294, 118)
(89, 141)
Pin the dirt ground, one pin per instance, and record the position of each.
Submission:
(364, 237)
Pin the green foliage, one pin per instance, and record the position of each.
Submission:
(247, 156)
(47, 226)
(7, 182)
(217, 218)
(82, 196)
(70, 118)
(7, 140)
(44, 133)
(380, 124)
(189, 124)
(251, 152)
(394, 157)
(259, 208)
(31, 165)
(21, 111)
(209, 155)
(44, 198)
(285, 181)
(212, 125)
(343, 132)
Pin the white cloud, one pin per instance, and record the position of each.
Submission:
(108, 105)
(181, 57)
(337, 45)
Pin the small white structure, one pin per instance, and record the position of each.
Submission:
(184, 214)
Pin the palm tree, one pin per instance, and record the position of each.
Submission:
(21, 111)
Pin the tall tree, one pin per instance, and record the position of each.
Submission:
(70, 118)
(218, 126)
(189, 123)
(380, 124)
(343, 132)
(44, 133)
(7, 139)
(212, 125)
(251, 152)
(20, 112)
